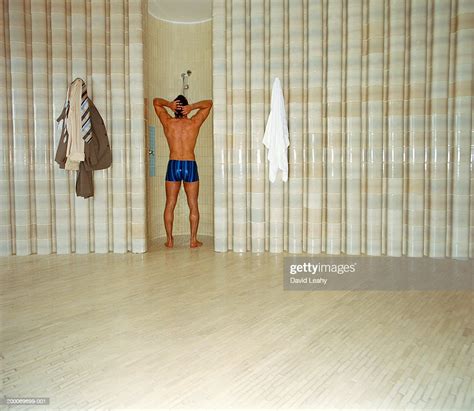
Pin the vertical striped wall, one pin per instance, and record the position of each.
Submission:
(379, 103)
(44, 45)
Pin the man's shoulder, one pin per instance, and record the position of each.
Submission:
(181, 123)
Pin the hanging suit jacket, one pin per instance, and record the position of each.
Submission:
(97, 152)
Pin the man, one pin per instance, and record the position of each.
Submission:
(181, 133)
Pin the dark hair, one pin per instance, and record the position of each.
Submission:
(184, 102)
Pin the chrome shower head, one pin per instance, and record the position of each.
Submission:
(187, 74)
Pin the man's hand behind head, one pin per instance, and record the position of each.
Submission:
(175, 105)
(185, 110)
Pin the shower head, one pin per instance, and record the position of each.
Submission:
(187, 74)
(185, 77)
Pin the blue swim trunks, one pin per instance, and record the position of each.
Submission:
(182, 170)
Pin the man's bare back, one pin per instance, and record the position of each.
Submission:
(181, 134)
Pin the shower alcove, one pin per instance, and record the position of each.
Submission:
(178, 39)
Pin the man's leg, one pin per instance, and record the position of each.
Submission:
(172, 191)
(192, 192)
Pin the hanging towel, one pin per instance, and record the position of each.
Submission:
(275, 137)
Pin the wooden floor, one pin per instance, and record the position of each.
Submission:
(198, 329)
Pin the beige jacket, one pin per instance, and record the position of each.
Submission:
(97, 152)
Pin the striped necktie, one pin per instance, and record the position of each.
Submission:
(85, 115)
(86, 128)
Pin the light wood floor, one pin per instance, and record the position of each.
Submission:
(199, 329)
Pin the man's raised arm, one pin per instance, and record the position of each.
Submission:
(204, 108)
(159, 104)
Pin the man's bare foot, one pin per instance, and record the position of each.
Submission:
(195, 244)
(169, 243)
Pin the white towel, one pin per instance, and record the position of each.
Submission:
(276, 135)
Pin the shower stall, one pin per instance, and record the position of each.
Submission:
(170, 60)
